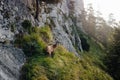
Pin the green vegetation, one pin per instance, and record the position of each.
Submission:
(63, 66)
(46, 34)
(12, 27)
(35, 42)
(93, 49)
(96, 26)
(26, 24)
(113, 56)
(107, 35)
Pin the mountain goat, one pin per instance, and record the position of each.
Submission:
(50, 49)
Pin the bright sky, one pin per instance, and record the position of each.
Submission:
(106, 7)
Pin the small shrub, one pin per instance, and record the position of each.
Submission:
(26, 24)
(35, 29)
(85, 45)
(12, 27)
(18, 41)
(33, 45)
(35, 42)
(6, 14)
(46, 34)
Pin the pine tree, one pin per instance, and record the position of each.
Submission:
(90, 21)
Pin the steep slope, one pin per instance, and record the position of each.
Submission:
(58, 16)
(64, 65)
(63, 22)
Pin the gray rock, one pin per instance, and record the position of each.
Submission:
(1, 9)
(6, 35)
(11, 61)
(57, 15)
(16, 8)
(0, 26)
(1, 17)
(2, 3)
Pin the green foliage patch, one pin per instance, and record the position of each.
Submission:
(35, 42)
(63, 66)
(113, 57)
(26, 24)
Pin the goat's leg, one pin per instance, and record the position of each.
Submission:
(52, 55)
(49, 54)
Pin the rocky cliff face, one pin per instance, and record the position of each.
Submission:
(11, 61)
(63, 18)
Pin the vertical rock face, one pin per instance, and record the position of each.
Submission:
(11, 61)
(63, 18)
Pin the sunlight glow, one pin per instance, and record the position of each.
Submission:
(106, 7)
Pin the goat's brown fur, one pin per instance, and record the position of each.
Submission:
(50, 49)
